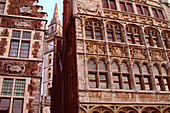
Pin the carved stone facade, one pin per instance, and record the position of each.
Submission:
(22, 27)
(120, 56)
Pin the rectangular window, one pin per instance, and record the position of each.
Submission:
(17, 105)
(139, 9)
(103, 81)
(166, 84)
(110, 35)
(26, 35)
(16, 34)
(155, 14)
(2, 7)
(92, 80)
(14, 48)
(129, 38)
(147, 84)
(122, 6)
(118, 36)
(25, 49)
(146, 11)
(19, 87)
(129, 7)
(5, 104)
(105, 4)
(138, 82)
(116, 81)
(112, 4)
(161, 14)
(7, 87)
(126, 82)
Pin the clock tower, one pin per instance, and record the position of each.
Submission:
(54, 30)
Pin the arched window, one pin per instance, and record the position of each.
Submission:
(115, 67)
(136, 68)
(114, 32)
(164, 71)
(145, 69)
(156, 70)
(91, 65)
(49, 59)
(93, 30)
(133, 33)
(49, 73)
(102, 65)
(124, 67)
(165, 38)
(152, 37)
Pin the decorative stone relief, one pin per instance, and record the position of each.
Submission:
(37, 36)
(95, 48)
(79, 46)
(15, 67)
(138, 53)
(25, 10)
(82, 7)
(157, 55)
(31, 68)
(117, 51)
(3, 43)
(23, 23)
(30, 107)
(36, 47)
(5, 32)
(31, 88)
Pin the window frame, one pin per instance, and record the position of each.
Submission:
(109, 4)
(125, 6)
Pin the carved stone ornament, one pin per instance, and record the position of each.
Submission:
(117, 51)
(25, 10)
(3, 43)
(15, 68)
(36, 46)
(5, 32)
(37, 36)
(138, 53)
(23, 23)
(157, 55)
(96, 48)
(82, 7)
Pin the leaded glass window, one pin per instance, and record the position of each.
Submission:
(92, 80)
(115, 67)
(147, 82)
(102, 65)
(155, 70)
(116, 81)
(145, 69)
(7, 87)
(103, 81)
(98, 34)
(91, 65)
(136, 68)
(126, 82)
(164, 72)
(124, 68)
(19, 87)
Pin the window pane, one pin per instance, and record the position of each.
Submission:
(110, 35)
(24, 49)
(146, 81)
(91, 65)
(112, 4)
(2, 7)
(115, 67)
(161, 14)
(26, 35)
(16, 34)
(136, 68)
(124, 68)
(4, 103)
(19, 87)
(118, 36)
(129, 37)
(98, 34)
(139, 9)
(125, 82)
(92, 77)
(155, 13)
(146, 11)
(14, 48)
(129, 7)
(155, 70)
(137, 38)
(145, 69)
(158, 83)
(88, 32)
(102, 66)
(164, 72)
(17, 106)
(7, 87)
(116, 81)
(105, 4)
(122, 6)
(103, 85)
(138, 82)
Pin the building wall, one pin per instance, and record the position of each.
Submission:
(119, 91)
(22, 26)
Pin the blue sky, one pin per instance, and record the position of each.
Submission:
(48, 7)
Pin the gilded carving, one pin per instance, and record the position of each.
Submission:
(157, 55)
(138, 53)
(3, 43)
(117, 51)
(36, 47)
(96, 48)
(15, 67)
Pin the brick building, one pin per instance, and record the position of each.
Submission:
(22, 26)
(115, 57)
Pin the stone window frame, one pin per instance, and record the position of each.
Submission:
(96, 26)
(126, 6)
(109, 4)
(159, 13)
(13, 97)
(97, 74)
(144, 79)
(114, 27)
(121, 75)
(134, 31)
(165, 38)
(160, 79)
(20, 41)
(143, 9)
